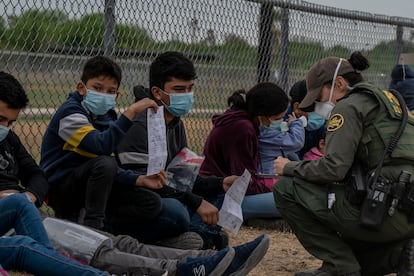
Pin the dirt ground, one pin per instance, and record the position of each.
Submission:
(285, 255)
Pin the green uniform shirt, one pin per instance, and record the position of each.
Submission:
(344, 132)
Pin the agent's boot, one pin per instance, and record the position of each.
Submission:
(321, 272)
(406, 266)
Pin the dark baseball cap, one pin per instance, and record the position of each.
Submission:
(321, 73)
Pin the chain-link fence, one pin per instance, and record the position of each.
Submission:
(233, 43)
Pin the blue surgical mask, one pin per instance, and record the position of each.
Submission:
(180, 103)
(315, 121)
(275, 124)
(3, 132)
(99, 103)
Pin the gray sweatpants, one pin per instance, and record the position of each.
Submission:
(129, 256)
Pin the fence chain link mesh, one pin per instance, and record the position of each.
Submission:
(233, 43)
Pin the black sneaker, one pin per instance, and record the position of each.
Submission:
(406, 266)
(221, 240)
(247, 256)
(208, 265)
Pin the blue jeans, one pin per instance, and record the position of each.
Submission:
(208, 233)
(24, 253)
(30, 250)
(173, 220)
(259, 206)
(17, 212)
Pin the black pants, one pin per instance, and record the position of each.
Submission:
(133, 203)
(88, 186)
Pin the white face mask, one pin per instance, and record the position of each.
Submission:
(325, 108)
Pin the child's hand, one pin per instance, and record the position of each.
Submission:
(155, 181)
(142, 105)
(208, 213)
(291, 117)
(228, 181)
(139, 107)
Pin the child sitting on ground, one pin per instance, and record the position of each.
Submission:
(316, 152)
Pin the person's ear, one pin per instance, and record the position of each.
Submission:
(81, 88)
(156, 93)
(341, 83)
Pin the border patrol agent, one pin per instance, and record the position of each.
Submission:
(312, 195)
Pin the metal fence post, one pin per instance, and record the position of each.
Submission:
(399, 41)
(109, 35)
(265, 42)
(284, 50)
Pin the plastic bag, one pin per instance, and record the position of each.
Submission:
(74, 240)
(183, 170)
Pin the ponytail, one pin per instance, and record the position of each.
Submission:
(237, 100)
(359, 63)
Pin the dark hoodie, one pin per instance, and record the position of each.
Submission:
(132, 153)
(402, 80)
(231, 147)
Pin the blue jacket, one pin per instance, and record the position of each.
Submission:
(73, 136)
(402, 80)
(271, 141)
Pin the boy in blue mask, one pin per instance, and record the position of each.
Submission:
(80, 139)
(171, 81)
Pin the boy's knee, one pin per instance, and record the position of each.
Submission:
(140, 203)
(175, 211)
(105, 165)
(19, 201)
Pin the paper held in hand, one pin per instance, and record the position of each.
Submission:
(230, 214)
(157, 141)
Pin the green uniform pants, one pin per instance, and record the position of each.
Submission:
(334, 235)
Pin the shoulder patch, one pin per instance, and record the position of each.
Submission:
(335, 122)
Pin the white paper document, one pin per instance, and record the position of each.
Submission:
(230, 214)
(157, 141)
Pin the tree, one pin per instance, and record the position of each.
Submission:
(132, 37)
(338, 51)
(92, 29)
(2, 30)
(34, 30)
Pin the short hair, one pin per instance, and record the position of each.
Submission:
(263, 99)
(101, 66)
(170, 65)
(12, 92)
(298, 91)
